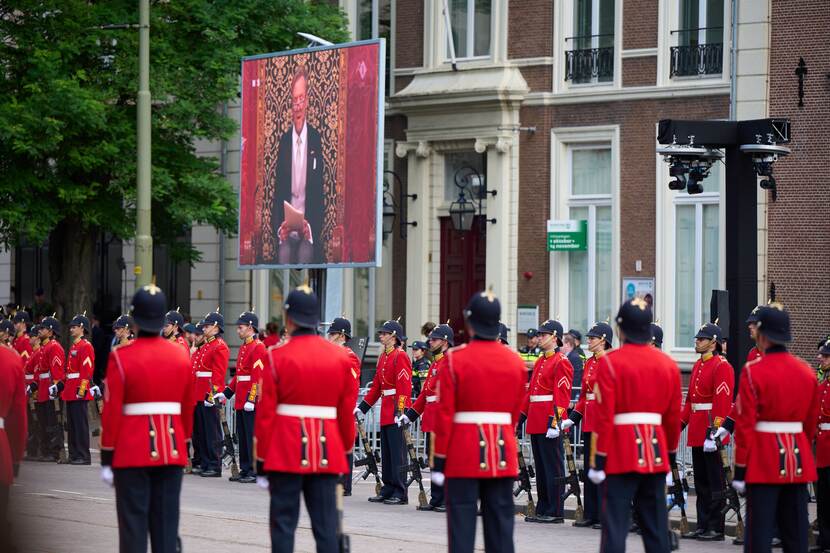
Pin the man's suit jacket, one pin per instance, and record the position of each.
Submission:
(314, 206)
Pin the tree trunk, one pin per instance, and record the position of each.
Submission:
(71, 266)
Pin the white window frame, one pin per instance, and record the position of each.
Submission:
(436, 55)
(563, 142)
(350, 7)
(666, 260)
(564, 27)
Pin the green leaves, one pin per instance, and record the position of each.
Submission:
(68, 114)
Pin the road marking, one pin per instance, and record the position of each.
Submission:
(67, 491)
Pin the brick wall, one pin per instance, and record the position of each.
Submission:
(529, 27)
(799, 228)
(539, 77)
(640, 19)
(639, 71)
(409, 33)
(637, 120)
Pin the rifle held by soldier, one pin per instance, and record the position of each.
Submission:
(572, 479)
(371, 458)
(733, 502)
(227, 439)
(678, 499)
(414, 467)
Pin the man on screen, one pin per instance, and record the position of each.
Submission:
(297, 211)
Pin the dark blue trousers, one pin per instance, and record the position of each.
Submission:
(549, 457)
(648, 493)
(392, 460)
(207, 437)
(245, 435)
(498, 514)
(318, 490)
(771, 505)
(147, 502)
(591, 496)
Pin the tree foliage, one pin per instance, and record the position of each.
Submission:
(68, 110)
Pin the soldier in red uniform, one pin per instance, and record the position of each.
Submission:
(33, 452)
(637, 430)
(823, 448)
(545, 406)
(777, 413)
(21, 344)
(210, 378)
(145, 426)
(76, 391)
(6, 332)
(393, 381)
(600, 338)
(49, 375)
(249, 363)
(303, 425)
(173, 325)
(123, 329)
(340, 332)
(12, 431)
(480, 392)
(441, 338)
(708, 403)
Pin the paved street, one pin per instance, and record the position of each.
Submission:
(64, 509)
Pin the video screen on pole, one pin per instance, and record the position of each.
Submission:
(311, 157)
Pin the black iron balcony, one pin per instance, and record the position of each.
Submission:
(585, 64)
(693, 59)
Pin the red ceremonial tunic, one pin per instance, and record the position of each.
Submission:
(634, 383)
(480, 391)
(23, 346)
(30, 367)
(304, 418)
(393, 380)
(79, 368)
(12, 413)
(550, 386)
(709, 399)
(210, 367)
(148, 405)
(587, 398)
(249, 364)
(179, 339)
(823, 434)
(427, 402)
(50, 368)
(776, 389)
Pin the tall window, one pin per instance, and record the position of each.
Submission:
(471, 22)
(374, 20)
(590, 293)
(699, 49)
(697, 256)
(589, 55)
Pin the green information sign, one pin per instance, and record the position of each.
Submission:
(567, 235)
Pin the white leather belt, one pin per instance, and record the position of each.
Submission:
(773, 427)
(44, 375)
(73, 375)
(824, 426)
(307, 411)
(243, 378)
(2, 423)
(701, 407)
(536, 399)
(203, 374)
(153, 408)
(390, 392)
(590, 397)
(482, 417)
(432, 399)
(638, 418)
(29, 377)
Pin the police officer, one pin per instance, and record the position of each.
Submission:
(49, 375)
(708, 403)
(145, 424)
(210, 371)
(480, 392)
(172, 330)
(244, 385)
(600, 338)
(392, 382)
(777, 414)
(638, 427)
(302, 431)
(531, 351)
(545, 406)
(340, 332)
(76, 392)
(823, 447)
(441, 339)
(12, 430)
(420, 365)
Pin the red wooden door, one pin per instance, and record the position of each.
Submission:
(463, 262)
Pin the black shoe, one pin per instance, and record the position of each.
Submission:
(247, 479)
(596, 526)
(440, 508)
(235, 478)
(583, 523)
(426, 507)
(530, 519)
(545, 519)
(395, 501)
(776, 543)
(378, 499)
(210, 474)
(79, 462)
(196, 470)
(558, 520)
(347, 494)
(693, 535)
(711, 535)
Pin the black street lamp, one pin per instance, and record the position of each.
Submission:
(472, 193)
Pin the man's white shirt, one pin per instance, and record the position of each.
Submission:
(298, 167)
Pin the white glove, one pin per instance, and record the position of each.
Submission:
(437, 478)
(720, 433)
(95, 391)
(208, 404)
(596, 476)
(262, 482)
(220, 398)
(567, 423)
(357, 412)
(709, 446)
(740, 486)
(249, 406)
(669, 480)
(552, 433)
(53, 391)
(107, 477)
(403, 420)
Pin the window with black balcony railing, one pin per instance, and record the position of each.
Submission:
(589, 59)
(699, 52)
